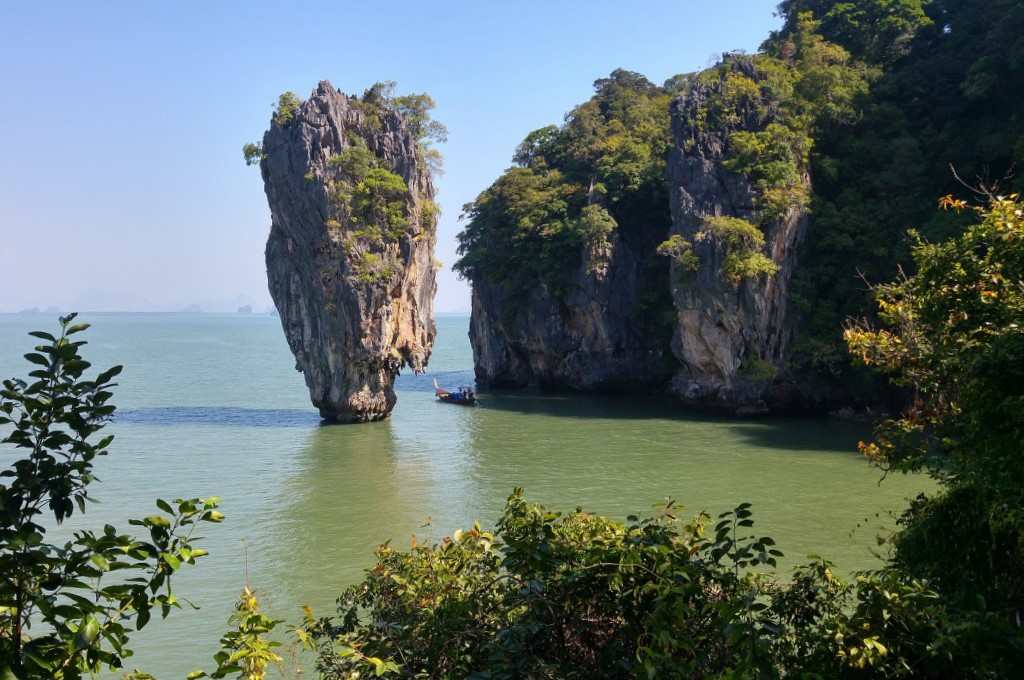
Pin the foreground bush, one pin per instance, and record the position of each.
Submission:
(581, 596)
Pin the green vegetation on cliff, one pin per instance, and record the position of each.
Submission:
(572, 187)
(370, 203)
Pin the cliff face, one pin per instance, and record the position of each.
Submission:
(594, 334)
(731, 339)
(350, 253)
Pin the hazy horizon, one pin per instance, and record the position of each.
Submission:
(122, 184)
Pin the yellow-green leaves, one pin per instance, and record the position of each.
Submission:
(287, 106)
(680, 249)
(742, 242)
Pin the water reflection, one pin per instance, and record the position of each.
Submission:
(350, 488)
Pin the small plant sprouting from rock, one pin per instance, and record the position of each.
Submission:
(287, 105)
(594, 227)
(757, 369)
(284, 112)
(743, 242)
(680, 250)
(252, 153)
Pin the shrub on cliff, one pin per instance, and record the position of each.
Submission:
(287, 106)
(742, 242)
(67, 609)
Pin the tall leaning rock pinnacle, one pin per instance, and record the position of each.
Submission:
(349, 258)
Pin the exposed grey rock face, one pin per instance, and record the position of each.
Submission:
(355, 306)
(731, 340)
(594, 335)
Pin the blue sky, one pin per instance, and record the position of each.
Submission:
(122, 185)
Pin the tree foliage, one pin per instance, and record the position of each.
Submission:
(952, 334)
(67, 609)
(373, 201)
(549, 595)
(680, 249)
(287, 106)
(573, 187)
(252, 153)
(943, 83)
(877, 31)
(742, 242)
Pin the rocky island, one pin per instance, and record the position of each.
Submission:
(631, 249)
(350, 258)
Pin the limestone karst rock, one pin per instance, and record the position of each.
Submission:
(349, 258)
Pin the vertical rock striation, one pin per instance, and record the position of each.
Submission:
(592, 335)
(350, 254)
(731, 338)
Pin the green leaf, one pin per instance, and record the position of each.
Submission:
(37, 359)
(77, 328)
(172, 561)
(42, 335)
(108, 374)
(87, 633)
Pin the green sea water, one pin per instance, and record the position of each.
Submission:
(212, 405)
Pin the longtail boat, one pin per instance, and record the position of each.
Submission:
(464, 396)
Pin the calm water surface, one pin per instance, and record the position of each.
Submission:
(212, 405)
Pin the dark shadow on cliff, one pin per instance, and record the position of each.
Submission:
(219, 415)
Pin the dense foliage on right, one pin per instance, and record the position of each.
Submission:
(953, 335)
(945, 78)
